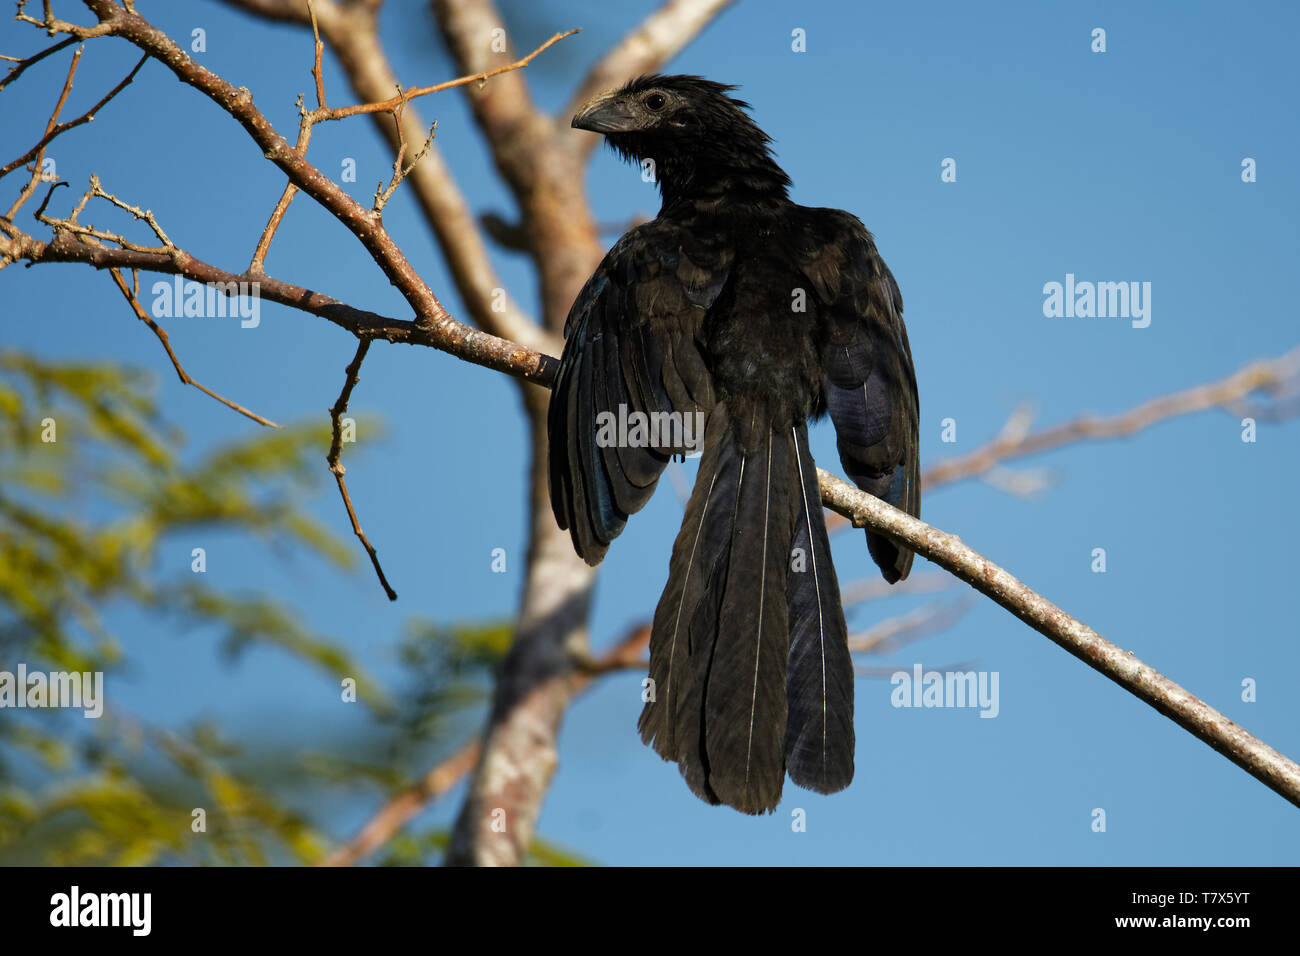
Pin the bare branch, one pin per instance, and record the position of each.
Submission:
(401, 809)
(53, 26)
(23, 64)
(433, 323)
(336, 467)
(257, 264)
(1018, 442)
(528, 150)
(396, 102)
(239, 104)
(97, 191)
(53, 131)
(1277, 375)
(1261, 761)
(132, 298)
(352, 34)
(895, 632)
(452, 337)
(26, 192)
(874, 588)
(400, 171)
(94, 236)
(319, 49)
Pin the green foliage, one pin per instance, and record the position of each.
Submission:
(86, 520)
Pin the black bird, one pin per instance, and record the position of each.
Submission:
(760, 314)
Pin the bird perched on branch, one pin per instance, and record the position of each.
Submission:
(741, 309)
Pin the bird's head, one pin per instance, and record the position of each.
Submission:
(700, 139)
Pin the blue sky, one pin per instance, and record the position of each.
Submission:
(1115, 166)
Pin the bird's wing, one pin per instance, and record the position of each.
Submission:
(632, 345)
(870, 381)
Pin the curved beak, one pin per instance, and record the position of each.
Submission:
(605, 114)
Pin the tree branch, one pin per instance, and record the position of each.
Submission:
(889, 635)
(1273, 769)
(452, 337)
(537, 680)
(389, 820)
(53, 131)
(528, 151)
(132, 298)
(353, 373)
(394, 815)
(367, 227)
(1281, 374)
(393, 104)
(1018, 442)
(24, 63)
(352, 34)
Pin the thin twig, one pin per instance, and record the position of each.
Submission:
(319, 50)
(257, 264)
(875, 587)
(96, 237)
(390, 105)
(134, 301)
(889, 635)
(23, 64)
(400, 171)
(336, 467)
(97, 190)
(72, 244)
(30, 188)
(353, 36)
(53, 26)
(52, 132)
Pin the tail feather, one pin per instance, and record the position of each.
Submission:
(672, 719)
(819, 682)
(749, 658)
(690, 717)
(745, 702)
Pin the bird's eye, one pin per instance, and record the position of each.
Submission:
(656, 101)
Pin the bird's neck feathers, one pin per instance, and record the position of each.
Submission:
(740, 177)
(736, 166)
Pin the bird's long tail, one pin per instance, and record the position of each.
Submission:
(749, 663)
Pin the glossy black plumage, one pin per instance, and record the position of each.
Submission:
(760, 315)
